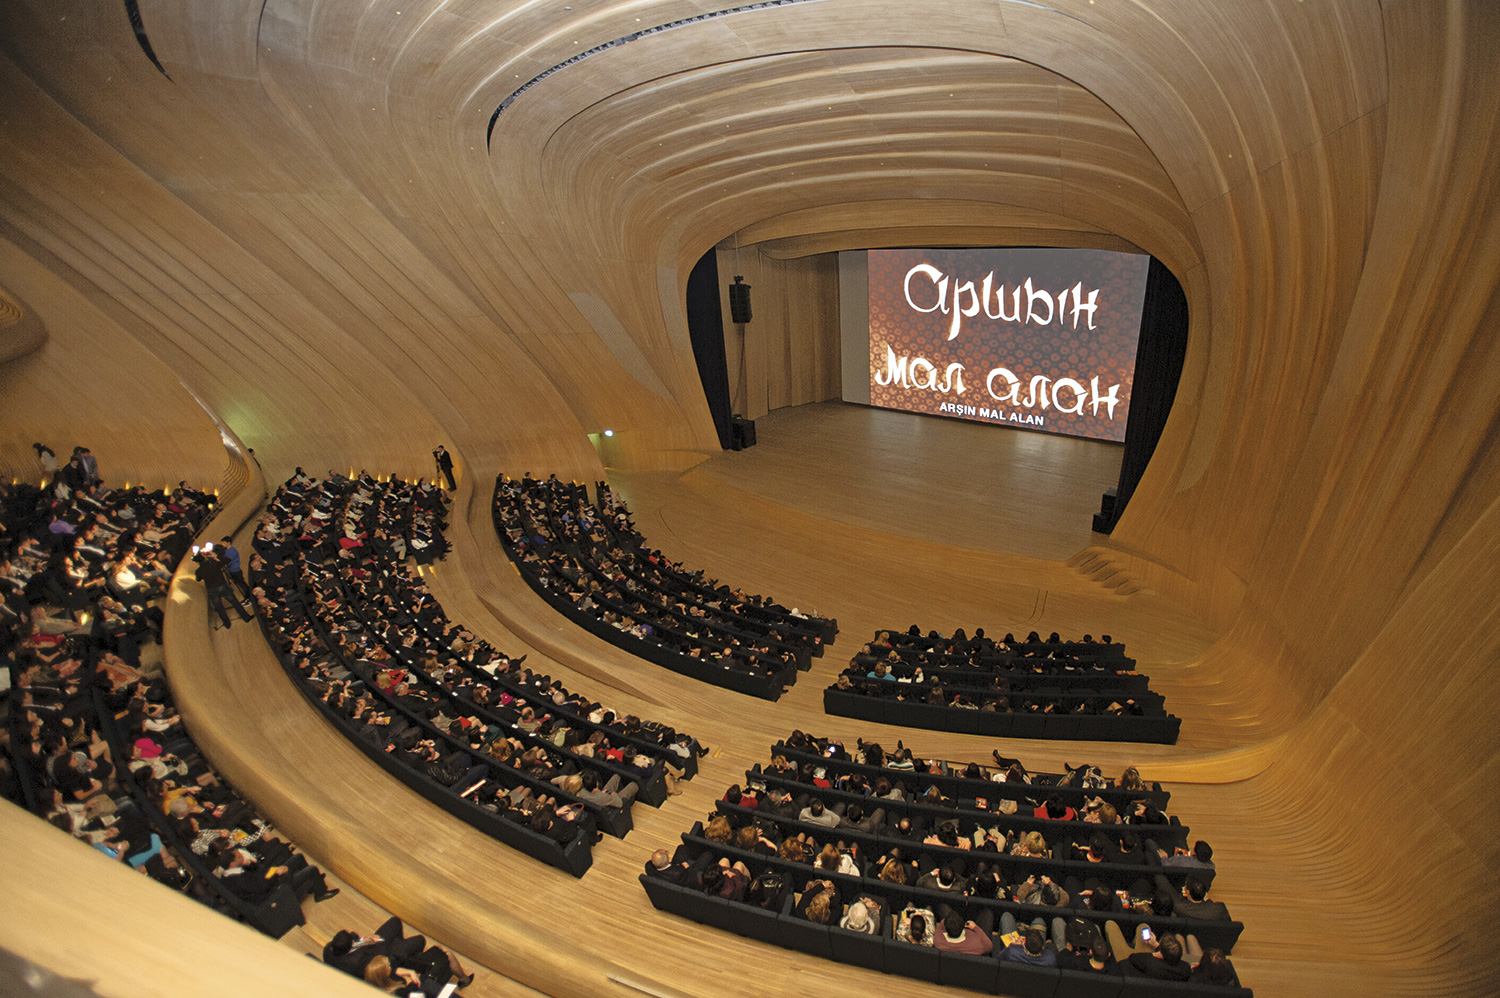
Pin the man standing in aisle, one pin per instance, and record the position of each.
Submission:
(233, 570)
(213, 573)
(445, 466)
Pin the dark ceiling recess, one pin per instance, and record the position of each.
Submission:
(133, 11)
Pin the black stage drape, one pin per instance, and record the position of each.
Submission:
(705, 321)
(1158, 365)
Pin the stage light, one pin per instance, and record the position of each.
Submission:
(609, 433)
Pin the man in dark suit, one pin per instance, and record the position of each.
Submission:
(445, 465)
(677, 869)
(351, 953)
(215, 578)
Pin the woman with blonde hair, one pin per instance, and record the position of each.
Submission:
(379, 973)
(430, 970)
(1032, 845)
(820, 899)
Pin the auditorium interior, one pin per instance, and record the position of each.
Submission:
(343, 232)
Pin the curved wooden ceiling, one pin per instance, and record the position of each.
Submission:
(306, 228)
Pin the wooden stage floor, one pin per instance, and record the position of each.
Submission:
(991, 488)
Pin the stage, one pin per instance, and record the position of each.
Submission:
(991, 488)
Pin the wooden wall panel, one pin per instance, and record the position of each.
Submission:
(143, 427)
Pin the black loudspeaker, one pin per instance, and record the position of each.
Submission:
(739, 301)
(1104, 520)
(741, 433)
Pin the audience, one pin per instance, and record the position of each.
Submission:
(589, 561)
(942, 865)
(1006, 678)
(104, 755)
(361, 631)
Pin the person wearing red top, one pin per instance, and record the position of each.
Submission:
(741, 798)
(1056, 810)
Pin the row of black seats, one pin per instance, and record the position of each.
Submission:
(810, 628)
(500, 720)
(766, 683)
(779, 926)
(1033, 646)
(962, 789)
(1059, 835)
(1019, 676)
(294, 630)
(752, 649)
(865, 706)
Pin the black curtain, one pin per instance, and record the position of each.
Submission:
(705, 321)
(1158, 366)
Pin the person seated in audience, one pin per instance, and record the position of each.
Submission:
(768, 891)
(915, 925)
(1215, 969)
(1031, 845)
(678, 869)
(726, 880)
(855, 818)
(1161, 956)
(741, 798)
(946, 834)
(1093, 896)
(816, 813)
(1131, 852)
(943, 879)
(586, 788)
(1192, 901)
(1056, 810)
(839, 859)
(1086, 950)
(1039, 891)
(986, 882)
(1201, 857)
(1163, 963)
(963, 936)
(862, 915)
(819, 902)
(796, 848)
(1029, 945)
(904, 829)
(395, 964)
(718, 830)
(255, 879)
(779, 803)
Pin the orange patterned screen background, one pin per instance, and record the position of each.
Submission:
(1038, 338)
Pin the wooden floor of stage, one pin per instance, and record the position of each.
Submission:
(935, 536)
(991, 488)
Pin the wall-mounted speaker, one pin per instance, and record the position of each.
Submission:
(739, 301)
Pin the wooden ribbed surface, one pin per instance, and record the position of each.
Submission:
(304, 227)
